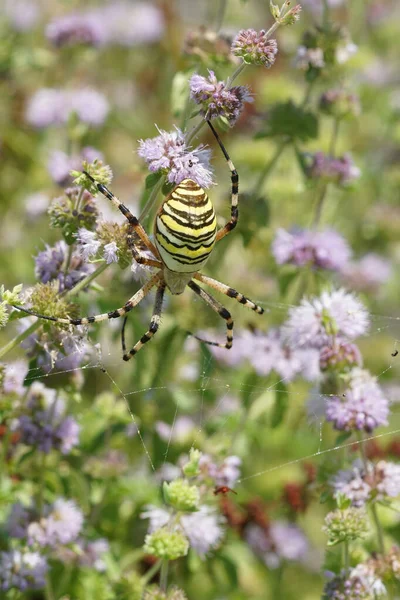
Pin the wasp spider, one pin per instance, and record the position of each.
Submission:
(185, 232)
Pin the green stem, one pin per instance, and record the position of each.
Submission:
(32, 328)
(48, 590)
(334, 137)
(152, 198)
(319, 205)
(148, 576)
(220, 15)
(346, 555)
(378, 526)
(269, 167)
(164, 575)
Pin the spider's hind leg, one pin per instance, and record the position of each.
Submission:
(220, 310)
(230, 292)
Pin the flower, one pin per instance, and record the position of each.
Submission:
(309, 57)
(339, 355)
(326, 249)
(168, 152)
(110, 252)
(216, 100)
(181, 495)
(255, 48)
(50, 266)
(362, 407)
(280, 542)
(180, 432)
(13, 378)
(336, 313)
(60, 164)
(346, 525)
(22, 14)
(360, 583)
(50, 106)
(22, 569)
(88, 243)
(340, 170)
(225, 474)
(367, 274)
(132, 24)
(340, 104)
(77, 28)
(61, 524)
(168, 545)
(203, 529)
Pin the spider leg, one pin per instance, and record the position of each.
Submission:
(228, 291)
(114, 314)
(154, 324)
(133, 221)
(139, 257)
(235, 190)
(218, 308)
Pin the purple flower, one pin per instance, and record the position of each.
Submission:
(13, 378)
(387, 479)
(203, 529)
(168, 152)
(255, 48)
(61, 524)
(79, 28)
(227, 473)
(158, 517)
(60, 164)
(216, 100)
(281, 542)
(22, 569)
(49, 106)
(337, 170)
(110, 253)
(367, 274)
(22, 14)
(18, 521)
(67, 435)
(360, 583)
(363, 406)
(325, 249)
(84, 553)
(336, 313)
(353, 483)
(339, 355)
(180, 432)
(88, 243)
(49, 266)
(132, 24)
(309, 57)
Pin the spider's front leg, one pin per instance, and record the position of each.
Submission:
(133, 223)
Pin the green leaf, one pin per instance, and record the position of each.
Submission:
(280, 406)
(325, 496)
(286, 278)
(294, 122)
(342, 437)
(179, 93)
(152, 180)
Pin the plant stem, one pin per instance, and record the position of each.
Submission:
(324, 188)
(48, 590)
(152, 198)
(378, 526)
(164, 575)
(220, 15)
(148, 576)
(346, 555)
(334, 137)
(20, 338)
(269, 167)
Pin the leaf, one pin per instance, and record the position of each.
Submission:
(152, 180)
(342, 437)
(294, 122)
(280, 406)
(179, 93)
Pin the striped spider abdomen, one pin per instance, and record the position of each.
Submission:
(185, 228)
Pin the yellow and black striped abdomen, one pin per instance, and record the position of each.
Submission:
(185, 228)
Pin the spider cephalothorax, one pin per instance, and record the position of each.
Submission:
(185, 233)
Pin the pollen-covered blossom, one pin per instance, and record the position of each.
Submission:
(280, 542)
(362, 482)
(255, 48)
(341, 170)
(50, 263)
(61, 524)
(168, 152)
(51, 106)
(367, 274)
(216, 100)
(325, 249)
(22, 570)
(362, 407)
(336, 313)
(60, 164)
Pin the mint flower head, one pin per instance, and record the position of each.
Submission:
(181, 495)
(346, 525)
(216, 100)
(255, 48)
(169, 153)
(22, 569)
(168, 545)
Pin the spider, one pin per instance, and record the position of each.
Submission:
(185, 232)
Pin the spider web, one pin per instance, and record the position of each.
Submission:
(107, 362)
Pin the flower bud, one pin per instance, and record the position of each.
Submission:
(181, 495)
(168, 545)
